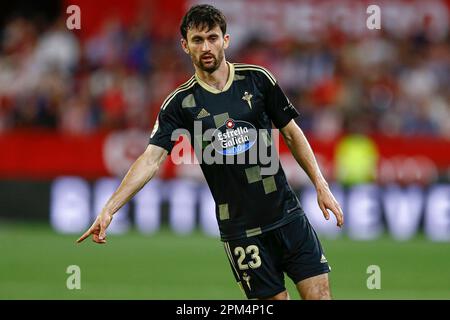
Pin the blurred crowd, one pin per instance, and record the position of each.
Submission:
(118, 78)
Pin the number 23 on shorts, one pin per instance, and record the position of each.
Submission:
(241, 253)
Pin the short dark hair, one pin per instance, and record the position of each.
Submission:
(201, 16)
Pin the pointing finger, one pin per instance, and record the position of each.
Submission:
(85, 235)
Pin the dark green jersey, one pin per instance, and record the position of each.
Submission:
(250, 199)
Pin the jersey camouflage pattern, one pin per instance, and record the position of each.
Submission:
(248, 202)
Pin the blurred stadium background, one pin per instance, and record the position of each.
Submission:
(77, 107)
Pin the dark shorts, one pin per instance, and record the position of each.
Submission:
(259, 262)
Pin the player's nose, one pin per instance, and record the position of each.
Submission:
(205, 46)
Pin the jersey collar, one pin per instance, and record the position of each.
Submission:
(214, 90)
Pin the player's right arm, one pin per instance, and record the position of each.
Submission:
(142, 170)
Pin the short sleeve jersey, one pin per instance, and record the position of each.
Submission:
(234, 128)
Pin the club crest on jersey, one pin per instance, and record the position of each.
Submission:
(248, 97)
(234, 137)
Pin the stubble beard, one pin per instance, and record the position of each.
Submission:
(215, 65)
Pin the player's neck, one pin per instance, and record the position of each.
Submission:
(218, 78)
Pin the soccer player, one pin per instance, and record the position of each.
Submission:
(262, 225)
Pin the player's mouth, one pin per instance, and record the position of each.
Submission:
(207, 58)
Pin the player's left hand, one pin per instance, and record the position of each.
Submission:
(326, 202)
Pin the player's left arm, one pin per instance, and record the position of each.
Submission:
(281, 111)
(302, 152)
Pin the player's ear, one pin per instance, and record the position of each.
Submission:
(226, 41)
(184, 45)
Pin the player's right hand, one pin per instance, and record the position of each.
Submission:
(98, 229)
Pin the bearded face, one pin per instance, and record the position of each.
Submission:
(206, 48)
